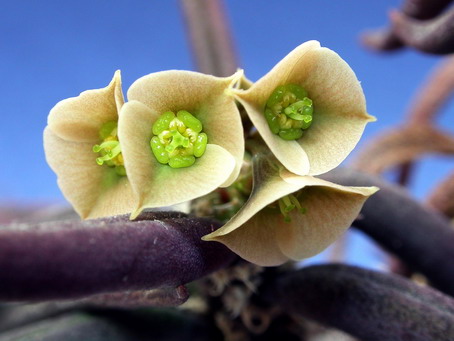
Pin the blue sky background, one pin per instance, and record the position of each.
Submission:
(52, 50)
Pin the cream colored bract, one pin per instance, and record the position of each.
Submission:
(261, 235)
(72, 131)
(155, 184)
(339, 106)
(180, 137)
(94, 191)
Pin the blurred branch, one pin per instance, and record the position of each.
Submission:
(74, 259)
(424, 9)
(407, 144)
(442, 198)
(361, 302)
(117, 325)
(419, 236)
(389, 39)
(210, 37)
(15, 315)
(434, 93)
(431, 36)
(404, 144)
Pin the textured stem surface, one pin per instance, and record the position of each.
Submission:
(421, 237)
(73, 259)
(367, 304)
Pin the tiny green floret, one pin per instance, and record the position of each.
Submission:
(288, 204)
(110, 149)
(178, 139)
(288, 111)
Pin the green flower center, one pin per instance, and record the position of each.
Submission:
(178, 139)
(287, 204)
(288, 111)
(110, 149)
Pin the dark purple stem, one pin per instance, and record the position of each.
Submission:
(369, 305)
(388, 40)
(74, 259)
(421, 237)
(431, 36)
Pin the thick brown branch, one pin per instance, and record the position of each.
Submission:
(387, 40)
(442, 198)
(210, 37)
(402, 145)
(431, 36)
(434, 93)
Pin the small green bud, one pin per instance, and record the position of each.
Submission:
(163, 122)
(159, 150)
(291, 134)
(200, 144)
(190, 121)
(180, 161)
(276, 96)
(272, 120)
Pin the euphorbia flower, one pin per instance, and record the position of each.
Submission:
(94, 182)
(181, 137)
(289, 216)
(310, 109)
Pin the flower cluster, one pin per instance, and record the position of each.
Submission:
(113, 157)
(180, 137)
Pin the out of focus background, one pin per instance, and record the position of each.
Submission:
(53, 50)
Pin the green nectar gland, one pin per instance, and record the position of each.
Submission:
(288, 111)
(109, 149)
(178, 139)
(289, 203)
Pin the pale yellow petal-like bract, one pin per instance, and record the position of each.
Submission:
(204, 97)
(339, 117)
(157, 185)
(94, 191)
(80, 118)
(259, 233)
